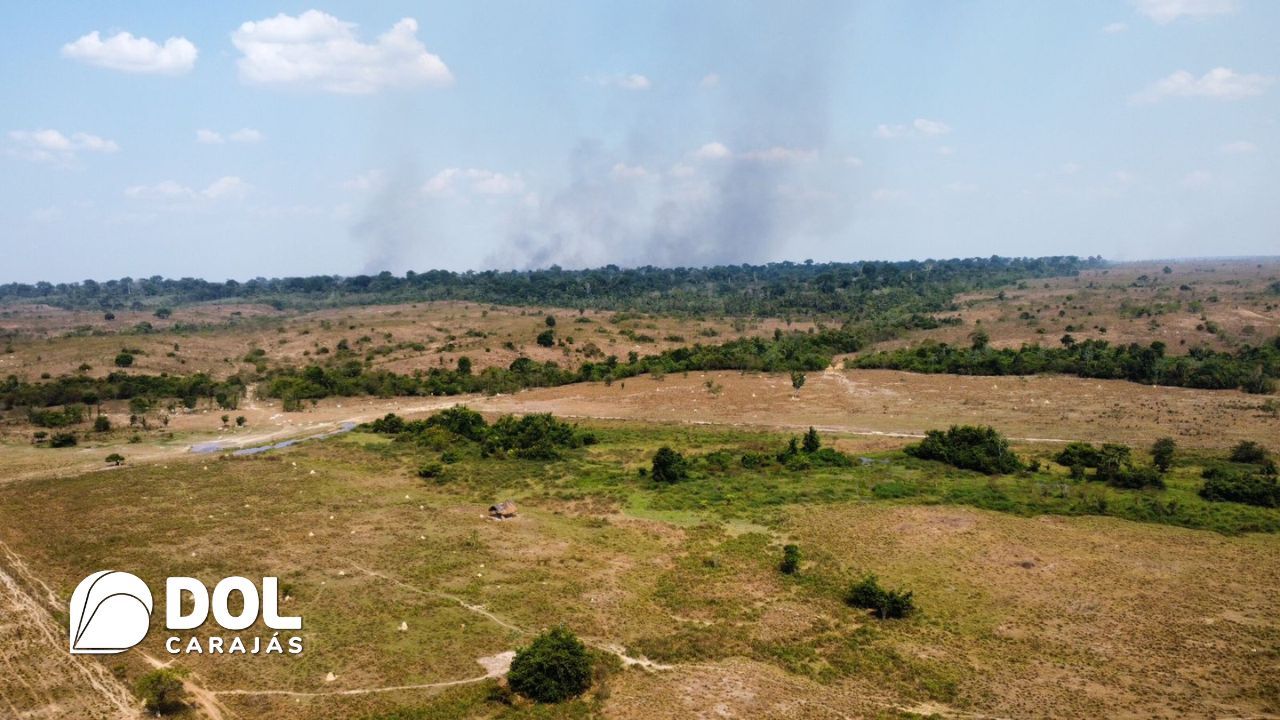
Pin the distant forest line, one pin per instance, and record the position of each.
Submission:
(854, 290)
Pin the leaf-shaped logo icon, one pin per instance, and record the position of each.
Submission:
(110, 613)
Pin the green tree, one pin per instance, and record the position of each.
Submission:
(115, 459)
(163, 313)
(1162, 454)
(547, 338)
(161, 691)
(554, 667)
(669, 466)
(124, 360)
(797, 380)
(980, 339)
(464, 365)
(811, 441)
(62, 440)
(101, 424)
(790, 559)
(869, 595)
(240, 421)
(1248, 451)
(551, 321)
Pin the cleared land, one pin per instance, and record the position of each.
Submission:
(1039, 596)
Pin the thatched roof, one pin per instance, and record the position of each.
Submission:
(504, 509)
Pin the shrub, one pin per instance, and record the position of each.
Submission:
(553, 668)
(790, 559)
(1077, 454)
(431, 470)
(547, 338)
(1250, 452)
(970, 447)
(101, 424)
(460, 420)
(811, 441)
(161, 691)
(1222, 485)
(124, 360)
(1162, 454)
(1137, 478)
(869, 595)
(669, 466)
(63, 439)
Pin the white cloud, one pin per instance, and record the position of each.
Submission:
(451, 182)
(930, 127)
(712, 151)
(919, 127)
(1197, 179)
(622, 171)
(1219, 83)
(51, 145)
(366, 181)
(229, 187)
(226, 187)
(246, 135)
(889, 132)
(317, 50)
(946, 150)
(1239, 147)
(631, 81)
(853, 161)
(887, 195)
(681, 170)
(243, 135)
(779, 154)
(127, 53)
(1166, 11)
(710, 80)
(1114, 28)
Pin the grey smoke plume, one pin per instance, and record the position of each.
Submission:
(393, 223)
(776, 187)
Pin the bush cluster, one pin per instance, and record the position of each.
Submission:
(969, 447)
(869, 595)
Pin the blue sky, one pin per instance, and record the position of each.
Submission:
(238, 139)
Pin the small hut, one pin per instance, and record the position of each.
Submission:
(503, 510)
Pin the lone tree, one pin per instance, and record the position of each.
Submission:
(551, 321)
(811, 441)
(869, 595)
(797, 380)
(553, 668)
(124, 360)
(547, 338)
(669, 466)
(115, 459)
(1162, 454)
(980, 339)
(101, 424)
(790, 559)
(161, 691)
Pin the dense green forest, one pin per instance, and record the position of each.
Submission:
(857, 289)
(1254, 369)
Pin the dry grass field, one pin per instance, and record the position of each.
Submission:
(1040, 597)
(1038, 616)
